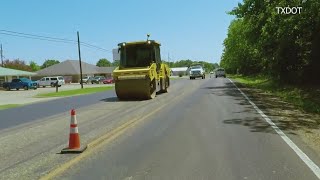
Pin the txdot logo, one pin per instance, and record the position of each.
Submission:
(289, 10)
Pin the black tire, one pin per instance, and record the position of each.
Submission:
(216, 76)
(167, 84)
(17, 89)
(8, 88)
(152, 90)
(52, 84)
(43, 86)
(25, 87)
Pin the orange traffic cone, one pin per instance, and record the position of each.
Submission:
(74, 137)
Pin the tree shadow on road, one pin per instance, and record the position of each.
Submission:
(255, 124)
(283, 114)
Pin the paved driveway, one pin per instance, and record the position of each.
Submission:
(25, 97)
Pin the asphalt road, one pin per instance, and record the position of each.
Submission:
(210, 133)
(16, 116)
(26, 114)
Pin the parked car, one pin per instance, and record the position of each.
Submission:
(108, 81)
(20, 83)
(51, 81)
(97, 80)
(87, 79)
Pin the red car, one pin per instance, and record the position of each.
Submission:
(108, 81)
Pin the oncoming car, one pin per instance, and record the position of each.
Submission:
(197, 71)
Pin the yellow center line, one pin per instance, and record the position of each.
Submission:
(105, 139)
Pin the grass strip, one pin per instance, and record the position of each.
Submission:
(304, 98)
(7, 106)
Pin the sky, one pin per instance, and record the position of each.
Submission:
(186, 29)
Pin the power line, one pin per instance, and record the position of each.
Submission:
(47, 38)
(37, 38)
(89, 45)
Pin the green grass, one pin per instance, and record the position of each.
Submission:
(307, 99)
(7, 106)
(76, 92)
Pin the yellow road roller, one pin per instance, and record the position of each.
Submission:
(141, 74)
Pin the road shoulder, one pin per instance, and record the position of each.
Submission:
(301, 127)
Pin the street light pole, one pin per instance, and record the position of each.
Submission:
(80, 60)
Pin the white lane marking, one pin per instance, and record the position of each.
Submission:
(315, 168)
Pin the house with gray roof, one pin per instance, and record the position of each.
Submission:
(70, 70)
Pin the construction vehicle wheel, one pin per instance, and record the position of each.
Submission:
(152, 90)
(167, 84)
(162, 85)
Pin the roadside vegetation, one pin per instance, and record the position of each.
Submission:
(304, 98)
(7, 106)
(274, 52)
(284, 47)
(76, 92)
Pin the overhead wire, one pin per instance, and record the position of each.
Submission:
(52, 39)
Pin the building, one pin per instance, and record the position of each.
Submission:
(6, 74)
(70, 70)
(179, 70)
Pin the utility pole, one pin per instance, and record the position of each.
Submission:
(169, 58)
(1, 56)
(80, 60)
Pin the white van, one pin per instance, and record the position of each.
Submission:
(50, 81)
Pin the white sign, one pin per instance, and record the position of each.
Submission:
(116, 55)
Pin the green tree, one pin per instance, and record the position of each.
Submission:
(49, 63)
(17, 64)
(34, 66)
(260, 40)
(103, 63)
(116, 63)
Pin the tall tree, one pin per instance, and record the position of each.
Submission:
(103, 63)
(116, 63)
(262, 40)
(34, 66)
(49, 63)
(17, 64)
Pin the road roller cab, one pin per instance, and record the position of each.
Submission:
(141, 74)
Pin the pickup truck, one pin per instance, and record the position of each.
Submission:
(196, 72)
(20, 83)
